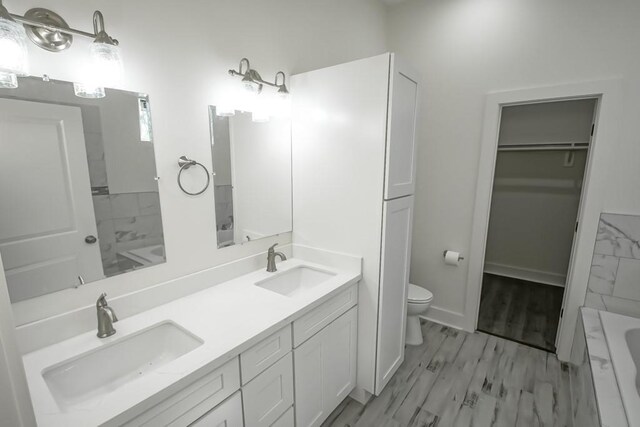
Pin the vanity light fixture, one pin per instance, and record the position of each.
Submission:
(254, 83)
(49, 31)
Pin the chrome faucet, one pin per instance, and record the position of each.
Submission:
(271, 259)
(106, 317)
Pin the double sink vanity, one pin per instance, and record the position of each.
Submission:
(224, 354)
(202, 325)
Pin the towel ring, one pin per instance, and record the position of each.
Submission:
(185, 163)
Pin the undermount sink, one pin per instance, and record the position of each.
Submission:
(296, 281)
(102, 370)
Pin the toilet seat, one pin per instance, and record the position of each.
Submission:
(419, 294)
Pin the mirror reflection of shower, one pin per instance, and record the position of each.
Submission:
(252, 177)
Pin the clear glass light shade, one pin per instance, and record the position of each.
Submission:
(87, 90)
(251, 87)
(103, 70)
(107, 64)
(283, 94)
(14, 58)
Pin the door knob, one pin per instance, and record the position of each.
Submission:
(90, 239)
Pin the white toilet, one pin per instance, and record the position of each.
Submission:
(418, 302)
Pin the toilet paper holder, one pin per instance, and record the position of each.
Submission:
(444, 255)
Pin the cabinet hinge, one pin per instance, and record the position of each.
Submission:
(561, 312)
(593, 127)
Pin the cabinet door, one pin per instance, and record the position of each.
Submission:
(286, 420)
(401, 144)
(269, 395)
(227, 414)
(325, 370)
(394, 284)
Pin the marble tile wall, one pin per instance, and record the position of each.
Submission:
(125, 222)
(614, 282)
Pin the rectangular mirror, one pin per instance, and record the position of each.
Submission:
(78, 195)
(252, 166)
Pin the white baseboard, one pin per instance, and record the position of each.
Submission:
(445, 317)
(531, 275)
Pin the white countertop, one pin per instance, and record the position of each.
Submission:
(229, 318)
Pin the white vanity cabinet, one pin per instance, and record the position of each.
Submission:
(322, 366)
(316, 353)
(325, 369)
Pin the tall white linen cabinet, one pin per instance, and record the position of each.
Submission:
(353, 183)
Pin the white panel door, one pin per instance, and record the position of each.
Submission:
(394, 284)
(401, 145)
(325, 370)
(46, 210)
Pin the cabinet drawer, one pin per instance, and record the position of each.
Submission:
(195, 400)
(312, 322)
(269, 395)
(287, 420)
(227, 414)
(264, 354)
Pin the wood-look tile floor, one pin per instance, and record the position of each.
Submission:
(519, 310)
(460, 379)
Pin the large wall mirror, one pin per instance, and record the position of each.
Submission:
(78, 191)
(252, 166)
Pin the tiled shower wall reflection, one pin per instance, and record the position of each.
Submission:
(126, 222)
(614, 282)
(224, 207)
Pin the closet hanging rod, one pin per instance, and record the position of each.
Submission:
(543, 148)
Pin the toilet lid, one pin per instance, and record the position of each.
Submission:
(419, 294)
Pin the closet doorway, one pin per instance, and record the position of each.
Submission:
(543, 150)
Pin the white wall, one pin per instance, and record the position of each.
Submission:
(534, 207)
(179, 53)
(468, 48)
